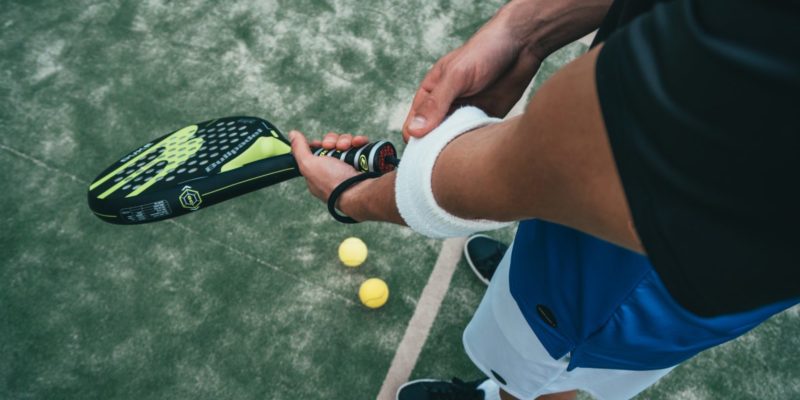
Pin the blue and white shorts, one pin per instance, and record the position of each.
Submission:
(500, 342)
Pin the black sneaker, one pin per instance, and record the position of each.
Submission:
(483, 255)
(431, 389)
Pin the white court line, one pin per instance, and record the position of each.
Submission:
(587, 40)
(40, 163)
(405, 357)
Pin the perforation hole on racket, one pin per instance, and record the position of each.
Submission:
(206, 163)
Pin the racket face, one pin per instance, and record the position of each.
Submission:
(192, 167)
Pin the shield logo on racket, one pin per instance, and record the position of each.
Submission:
(190, 198)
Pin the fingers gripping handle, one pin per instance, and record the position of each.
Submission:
(380, 157)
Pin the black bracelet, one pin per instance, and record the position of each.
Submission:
(340, 189)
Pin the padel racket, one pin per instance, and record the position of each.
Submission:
(207, 163)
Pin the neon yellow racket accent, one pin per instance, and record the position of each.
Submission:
(263, 147)
(122, 167)
(173, 160)
(247, 180)
(178, 147)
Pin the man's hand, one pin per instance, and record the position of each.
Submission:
(490, 71)
(372, 199)
(323, 174)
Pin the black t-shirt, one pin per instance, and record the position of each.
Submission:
(701, 101)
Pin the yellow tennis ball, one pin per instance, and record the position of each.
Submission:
(373, 293)
(353, 252)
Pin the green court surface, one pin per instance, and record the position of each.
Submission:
(245, 300)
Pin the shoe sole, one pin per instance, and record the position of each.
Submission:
(469, 260)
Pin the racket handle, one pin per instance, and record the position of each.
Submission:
(378, 157)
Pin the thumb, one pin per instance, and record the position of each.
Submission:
(430, 108)
(300, 148)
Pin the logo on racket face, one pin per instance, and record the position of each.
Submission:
(190, 198)
(362, 163)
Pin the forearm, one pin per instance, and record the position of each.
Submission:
(461, 164)
(544, 26)
(372, 200)
(468, 180)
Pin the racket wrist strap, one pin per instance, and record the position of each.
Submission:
(337, 192)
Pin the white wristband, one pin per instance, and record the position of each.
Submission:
(413, 190)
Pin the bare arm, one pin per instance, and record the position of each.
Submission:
(493, 68)
(545, 26)
(554, 162)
